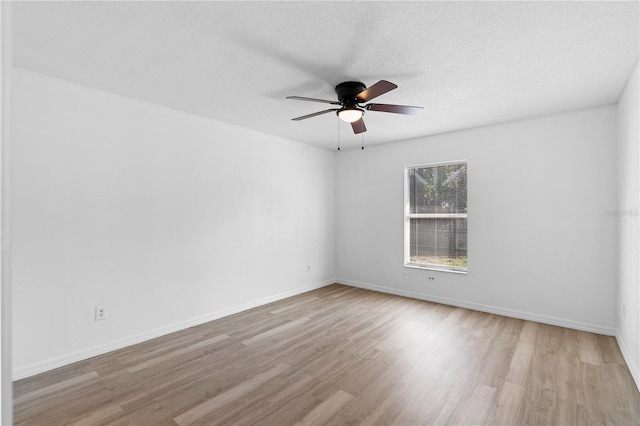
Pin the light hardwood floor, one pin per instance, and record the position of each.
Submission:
(341, 355)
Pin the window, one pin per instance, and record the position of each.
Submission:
(435, 226)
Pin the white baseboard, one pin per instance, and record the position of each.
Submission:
(560, 322)
(632, 364)
(70, 358)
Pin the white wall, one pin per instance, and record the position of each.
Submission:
(6, 387)
(628, 303)
(540, 244)
(167, 218)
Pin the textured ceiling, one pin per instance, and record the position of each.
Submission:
(467, 63)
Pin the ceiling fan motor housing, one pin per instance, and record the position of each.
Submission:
(348, 91)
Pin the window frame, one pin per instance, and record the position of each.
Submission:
(408, 216)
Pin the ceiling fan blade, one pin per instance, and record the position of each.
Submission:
(315, 114)
(301, 98)
(358, 126)
(380, 88)
(398, 109)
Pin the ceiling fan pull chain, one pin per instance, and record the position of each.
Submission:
(338, 121)
(362, 140)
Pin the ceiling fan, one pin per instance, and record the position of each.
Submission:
(351, 96)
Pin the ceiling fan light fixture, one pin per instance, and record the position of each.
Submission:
(350, 114)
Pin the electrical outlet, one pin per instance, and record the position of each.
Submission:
(100, 313)
(432, 278)
(308, 268)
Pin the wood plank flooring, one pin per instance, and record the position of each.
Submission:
(341, 355)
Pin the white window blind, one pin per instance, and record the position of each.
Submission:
(436, 216)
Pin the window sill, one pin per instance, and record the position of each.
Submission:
(435, 268)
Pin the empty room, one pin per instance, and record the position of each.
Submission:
(305, 212)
